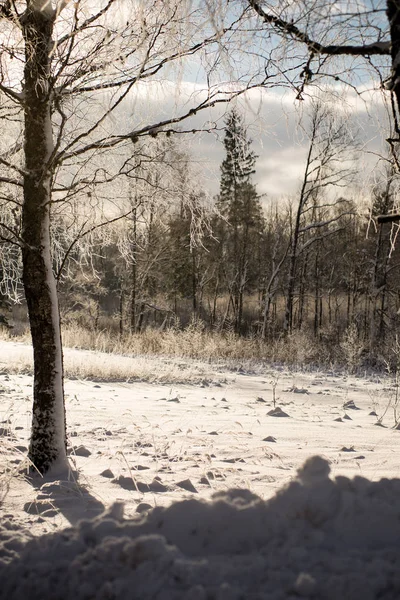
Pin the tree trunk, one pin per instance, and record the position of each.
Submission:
(134, 269)
(48, 438)
(265, 321)
(348, 310)
(270, 289)
(317, 296)
(393, 15)
(121, 312)
(141, 317)
(302, 302)
(194, 284)
(215, 300)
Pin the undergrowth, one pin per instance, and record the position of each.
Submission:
(299, 350)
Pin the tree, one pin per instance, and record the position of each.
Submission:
(276, 248)
(240, 206)
(384, 261)
(66, 70)
(327, 165)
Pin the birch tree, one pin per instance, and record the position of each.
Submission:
(69, 73)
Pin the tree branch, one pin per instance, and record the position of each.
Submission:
(10, 181)
(286, 27)
(327, 222)
(11, 94)
(87, 232)
(162, 127)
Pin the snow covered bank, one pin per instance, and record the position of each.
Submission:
(316, 538)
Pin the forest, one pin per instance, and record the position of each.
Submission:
(318, 263)
(107, 226)
(199, 299)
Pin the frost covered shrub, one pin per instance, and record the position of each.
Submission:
(352, 348)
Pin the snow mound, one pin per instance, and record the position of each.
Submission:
(316, 538)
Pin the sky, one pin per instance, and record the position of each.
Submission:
(277, 126)
(273, 116)
(276, 119)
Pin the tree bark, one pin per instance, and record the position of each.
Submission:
(393, 15)
(48, 437)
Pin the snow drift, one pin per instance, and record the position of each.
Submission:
(316, 538)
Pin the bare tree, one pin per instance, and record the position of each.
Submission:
(328, 165)
(66, 69)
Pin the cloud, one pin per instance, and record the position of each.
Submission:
(276, 123)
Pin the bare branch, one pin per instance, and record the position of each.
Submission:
(289, 28)
(327, 222)
(154, 129)
(17, 97)
(86, 232)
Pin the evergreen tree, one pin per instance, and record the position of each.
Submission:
(242, 222)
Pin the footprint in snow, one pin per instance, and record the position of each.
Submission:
(143, 445)
(80, 451)
(205, 481)
(107, 473)
(143, 507)
(187, 485)
(127, 483)
(350, 405)
(347, 449)
(45, 508)
(277, 412)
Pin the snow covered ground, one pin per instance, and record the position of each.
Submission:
(218, 500)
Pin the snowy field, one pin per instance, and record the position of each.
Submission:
(202, 491)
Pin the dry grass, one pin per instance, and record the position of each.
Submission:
(173, 355)
(108, 362)
(193, 342)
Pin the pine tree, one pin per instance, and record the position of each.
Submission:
(242, 222)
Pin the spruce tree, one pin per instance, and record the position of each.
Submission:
(242, 224)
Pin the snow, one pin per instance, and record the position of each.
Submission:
(315, 538)
(197, 493)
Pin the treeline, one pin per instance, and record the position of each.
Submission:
(347, 276)
(318, 263)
